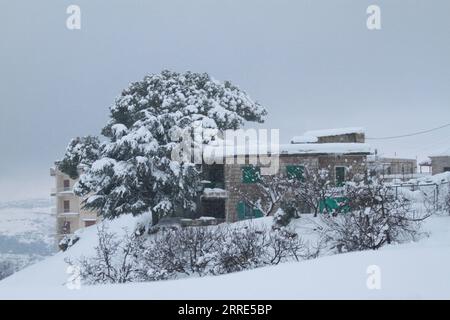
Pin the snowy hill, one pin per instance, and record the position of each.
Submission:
(26, 232)
(415, 270)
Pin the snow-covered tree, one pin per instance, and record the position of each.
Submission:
(80, 153)
(135, 171)
(267, 193)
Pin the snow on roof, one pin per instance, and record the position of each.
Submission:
(304, 139)
(332, 148)
(215, 193)
(303, 148)
(334, 132)
(444, 152)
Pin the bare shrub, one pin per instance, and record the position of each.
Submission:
(192, 251)
(447, 203)
(377, 217)
(242, 249)
(114, 259)
(174, 253)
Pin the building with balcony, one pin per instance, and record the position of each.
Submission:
(70, 215)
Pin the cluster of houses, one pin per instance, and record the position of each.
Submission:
(343, 152)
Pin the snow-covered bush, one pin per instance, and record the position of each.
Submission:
(68, 241)
(447, 203)
(191, 251)
(6, 269)
(179, 253)
(241, 249)
(376, 217)
(135, 170)
(315, 186)
(288, 210)
(114, 260)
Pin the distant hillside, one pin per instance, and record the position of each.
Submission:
(27, 230)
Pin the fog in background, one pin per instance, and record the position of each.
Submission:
(312, 64)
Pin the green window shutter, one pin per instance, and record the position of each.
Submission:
(340, 176)
(244, 211)
(257, 213)
(295, 172)
(251, 174)
(240, 210)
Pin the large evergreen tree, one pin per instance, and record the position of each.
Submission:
(80, 154)
(134, 171)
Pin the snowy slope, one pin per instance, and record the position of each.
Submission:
(416, 270)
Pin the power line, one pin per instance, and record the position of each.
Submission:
(411, 134)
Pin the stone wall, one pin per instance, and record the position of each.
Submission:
(354, 164)
(234, 184)
(344, 138)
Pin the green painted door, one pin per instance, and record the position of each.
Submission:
(340, 176)
(244, 211)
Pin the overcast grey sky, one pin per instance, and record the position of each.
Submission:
(313, 64)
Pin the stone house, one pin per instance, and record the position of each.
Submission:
(342, 151)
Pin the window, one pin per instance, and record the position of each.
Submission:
(295, 172)
(340, 176)
(245, 211)
(66, 205)
(66, 184)
(215, 174)
(251, 174)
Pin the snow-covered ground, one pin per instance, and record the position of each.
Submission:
(27, 231)
(407, 271)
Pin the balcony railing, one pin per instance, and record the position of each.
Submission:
(55, 191)
(66, 214)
